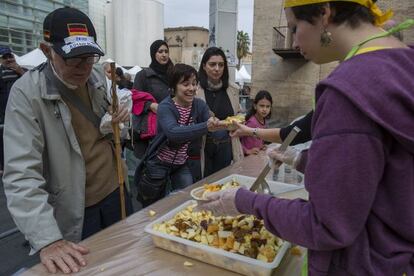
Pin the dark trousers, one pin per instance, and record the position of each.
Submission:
(105, 213)
(218, 155)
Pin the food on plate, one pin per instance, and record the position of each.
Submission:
(214, 187)
(200, 192)
(151, 213)
(239, 118)
(244, 234)
(187, 263)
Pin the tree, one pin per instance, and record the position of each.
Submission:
(243, 44)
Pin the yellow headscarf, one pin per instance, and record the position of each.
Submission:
(380, 17)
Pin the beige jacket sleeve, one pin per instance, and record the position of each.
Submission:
(23, 180)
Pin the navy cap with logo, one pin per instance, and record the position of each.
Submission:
(4, 50)
(71, 33)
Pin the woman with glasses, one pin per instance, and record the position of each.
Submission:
(359, 219)
(223, 100)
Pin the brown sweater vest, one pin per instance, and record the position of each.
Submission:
(98, 153)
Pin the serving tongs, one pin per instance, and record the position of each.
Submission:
(260, 182)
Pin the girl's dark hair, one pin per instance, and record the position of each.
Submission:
(262, 94)
(179, 73)
(213, 51)
(123, 82)
(344, 12)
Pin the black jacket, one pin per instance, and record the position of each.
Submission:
(148, 80)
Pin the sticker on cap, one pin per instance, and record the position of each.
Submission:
(77, 29)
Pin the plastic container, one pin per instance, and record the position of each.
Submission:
(218, 257)
(231, 261)
(247, 181)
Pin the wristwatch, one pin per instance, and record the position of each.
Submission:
(255, 132)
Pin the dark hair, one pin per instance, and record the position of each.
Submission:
(262, 94)
(344, 12)
(123, 82)
(179, 73)
(213, 51)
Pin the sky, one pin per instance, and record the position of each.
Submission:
(179, 13)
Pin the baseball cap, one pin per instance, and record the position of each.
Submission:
(5, 50)
(71, 33)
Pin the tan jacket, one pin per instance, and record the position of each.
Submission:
(233, 92)
(44, 174)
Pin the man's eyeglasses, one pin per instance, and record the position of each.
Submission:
(73, 62)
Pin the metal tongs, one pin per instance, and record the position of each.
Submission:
(260, 182)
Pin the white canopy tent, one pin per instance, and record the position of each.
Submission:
(32, 59)
(134, 70)
(242, 76)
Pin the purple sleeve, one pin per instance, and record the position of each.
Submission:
(344, 166)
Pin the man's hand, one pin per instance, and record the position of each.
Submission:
(63, 255)
(15, 67)
(121, 116)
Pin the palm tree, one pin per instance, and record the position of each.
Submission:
(243, 43)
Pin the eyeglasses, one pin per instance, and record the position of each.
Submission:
(76, 61)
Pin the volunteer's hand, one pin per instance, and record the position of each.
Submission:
(64, 255)
(121, 116)
(252, 151)
(241, 130)
(290, 156)
(221, 203)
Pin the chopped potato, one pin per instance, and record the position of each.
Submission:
(244, 234)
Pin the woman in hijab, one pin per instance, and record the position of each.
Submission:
(153, 80)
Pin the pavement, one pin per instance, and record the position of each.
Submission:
(14, 251)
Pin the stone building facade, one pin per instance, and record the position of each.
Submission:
(187, 44)
(292, 81)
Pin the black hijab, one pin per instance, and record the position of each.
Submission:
(160, 69)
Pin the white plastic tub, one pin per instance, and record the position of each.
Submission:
(275, 186)
(208, 254)
(218, 257)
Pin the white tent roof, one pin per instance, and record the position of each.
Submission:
(242, 76)
(32, 59)
(116, 65)
(134, 70)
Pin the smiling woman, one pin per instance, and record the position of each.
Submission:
(181, 119)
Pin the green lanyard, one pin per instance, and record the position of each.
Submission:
(405, 25)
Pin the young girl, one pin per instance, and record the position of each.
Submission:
(181, 118)
(256, 118)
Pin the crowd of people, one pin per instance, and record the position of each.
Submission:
(61, 179)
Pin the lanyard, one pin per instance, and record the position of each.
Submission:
(405, 25)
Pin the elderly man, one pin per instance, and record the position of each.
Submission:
(60, 176)
(10, 71)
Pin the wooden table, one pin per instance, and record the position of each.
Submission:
(125, 249)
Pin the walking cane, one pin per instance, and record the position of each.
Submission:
(117, 139)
